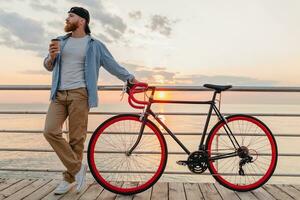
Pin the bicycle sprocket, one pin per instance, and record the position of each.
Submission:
(198, 161)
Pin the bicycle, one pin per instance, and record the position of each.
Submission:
(240, 151)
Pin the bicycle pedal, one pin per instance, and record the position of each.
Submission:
(181, 162)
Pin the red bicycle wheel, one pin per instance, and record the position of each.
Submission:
(113, 168)
(255, 138)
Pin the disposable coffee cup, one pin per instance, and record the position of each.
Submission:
(56, 42)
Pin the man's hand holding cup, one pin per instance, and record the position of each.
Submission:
(54, 48)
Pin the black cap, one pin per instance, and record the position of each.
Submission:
(84, 14)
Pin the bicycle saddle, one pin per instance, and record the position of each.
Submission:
(218, 88)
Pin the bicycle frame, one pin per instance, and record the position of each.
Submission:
(212, 107)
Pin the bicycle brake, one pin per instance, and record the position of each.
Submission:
(126, 88)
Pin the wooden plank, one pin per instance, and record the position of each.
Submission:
(15, 187)
(160, 191)
(127, 185)
(2, 180)
(108, 195)
(226, 193)
(192, 191)
(289, 190)
(28, 189)
(5, 183)
(146, 195)
(246, 195)
(209, 191)
(43, 191)
(262, 194)
(52, 196)
(176, 191)
(73, 195)
(92, 192)
(276, 192)
(297, 187)
(124, 197)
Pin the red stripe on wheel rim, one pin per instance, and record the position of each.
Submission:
(140, 187)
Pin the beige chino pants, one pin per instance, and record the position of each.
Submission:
(72, 104)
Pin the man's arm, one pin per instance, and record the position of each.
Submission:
(48, 63)
(109, 63)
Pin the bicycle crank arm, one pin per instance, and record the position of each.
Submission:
(182, 162)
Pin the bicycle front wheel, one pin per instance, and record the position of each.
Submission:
(255, 139)
(119, 172)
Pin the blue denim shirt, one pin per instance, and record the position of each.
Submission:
(97, 55)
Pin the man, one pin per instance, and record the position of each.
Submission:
(75, 61)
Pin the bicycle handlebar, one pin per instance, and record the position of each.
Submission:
(137, 88)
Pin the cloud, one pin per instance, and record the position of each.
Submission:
(103, 37)
(141, 72)
(38, 6)
(135, 14)
(159, 68)
(223, 80)
(113, 33)
(113, 24)
(161, 24)
(13, 34)
(16, 24)
(57, 24)
(162, 76)
(89, 3)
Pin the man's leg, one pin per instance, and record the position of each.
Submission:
(78, 119)
(57, 114)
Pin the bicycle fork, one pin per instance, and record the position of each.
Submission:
(144, 120)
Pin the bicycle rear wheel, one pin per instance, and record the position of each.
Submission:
(256, 138)
(113, 168)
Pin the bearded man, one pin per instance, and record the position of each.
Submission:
(74, 60)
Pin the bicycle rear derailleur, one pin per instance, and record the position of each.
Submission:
(197, 162)
(243, 153)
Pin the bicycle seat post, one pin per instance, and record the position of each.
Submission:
(215, 95)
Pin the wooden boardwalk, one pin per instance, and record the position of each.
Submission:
(32, 189)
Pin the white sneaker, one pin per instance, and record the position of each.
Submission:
(80, 178)
(63, 187)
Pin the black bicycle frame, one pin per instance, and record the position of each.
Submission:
(212, 107)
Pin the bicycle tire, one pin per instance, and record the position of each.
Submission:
(118, 172)
(264, 152)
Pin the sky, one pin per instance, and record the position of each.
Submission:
(170, 42)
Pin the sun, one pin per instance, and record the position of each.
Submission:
(161, 95)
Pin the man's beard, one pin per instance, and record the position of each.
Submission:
(71, 27)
